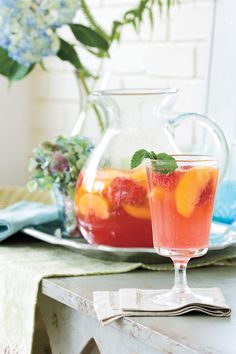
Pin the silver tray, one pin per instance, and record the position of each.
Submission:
(221, 236)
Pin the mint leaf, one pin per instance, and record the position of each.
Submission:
(169, 163)
(152, 155)
(138, 157)
(165, 163)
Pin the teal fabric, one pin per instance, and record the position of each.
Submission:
(23, 214)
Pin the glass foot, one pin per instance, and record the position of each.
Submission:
(181, 254)
(180, 297)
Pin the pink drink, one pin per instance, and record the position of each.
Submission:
(181, 206)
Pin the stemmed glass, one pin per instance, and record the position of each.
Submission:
(181, 204)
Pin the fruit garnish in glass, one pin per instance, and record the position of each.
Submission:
(181, 192)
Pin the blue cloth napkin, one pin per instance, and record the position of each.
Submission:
(23, 214)
(225, 203)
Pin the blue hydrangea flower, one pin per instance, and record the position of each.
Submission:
(28, 27)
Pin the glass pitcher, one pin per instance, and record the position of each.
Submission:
(111, 200)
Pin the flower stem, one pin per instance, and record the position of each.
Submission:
(92, 21)
(87, 91)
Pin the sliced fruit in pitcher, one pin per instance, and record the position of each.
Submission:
(78, 194)
(140, 212)
(93, 205)
(139, 176)
(189, 189)
(125, 191)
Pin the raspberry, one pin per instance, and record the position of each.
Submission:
(126, 191)
(206, 193)
(168, 181)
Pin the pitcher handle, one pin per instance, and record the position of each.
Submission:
(211, 126)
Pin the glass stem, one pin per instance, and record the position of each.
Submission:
(180, 285)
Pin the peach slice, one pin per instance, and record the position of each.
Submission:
(139, 176)
(104, 178)
(78, 194)
(90, 204)
(137, 212)
(157, 193)
(189, 189)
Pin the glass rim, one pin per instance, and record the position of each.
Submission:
(190, 158)
(136, 92)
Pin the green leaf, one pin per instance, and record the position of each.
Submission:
(160, 5)
(11, 68)
(68, 53)
(140, 10)
(21, 71)
(151, 18)
(115, 33)
(91, 20)
(43, 67)
(130, 15)
(153, 155)
(138, 157)
(135, 25)
(169, 3)
(98, 53)
(89, 37)
(165, 163)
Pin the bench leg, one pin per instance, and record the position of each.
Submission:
(73, 332)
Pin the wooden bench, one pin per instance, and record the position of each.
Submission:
(67, 308)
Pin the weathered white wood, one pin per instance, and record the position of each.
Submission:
(222, 70)
(71, 308)
(71, 332)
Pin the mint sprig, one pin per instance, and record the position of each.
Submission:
(168, 164)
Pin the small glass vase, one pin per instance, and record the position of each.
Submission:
(66, 213)
(91, 121)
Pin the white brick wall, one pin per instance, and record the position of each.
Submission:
(14, 131)
(190, 21)
(175, 54)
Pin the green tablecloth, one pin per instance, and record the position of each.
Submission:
(13, 194)
(24, 264)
